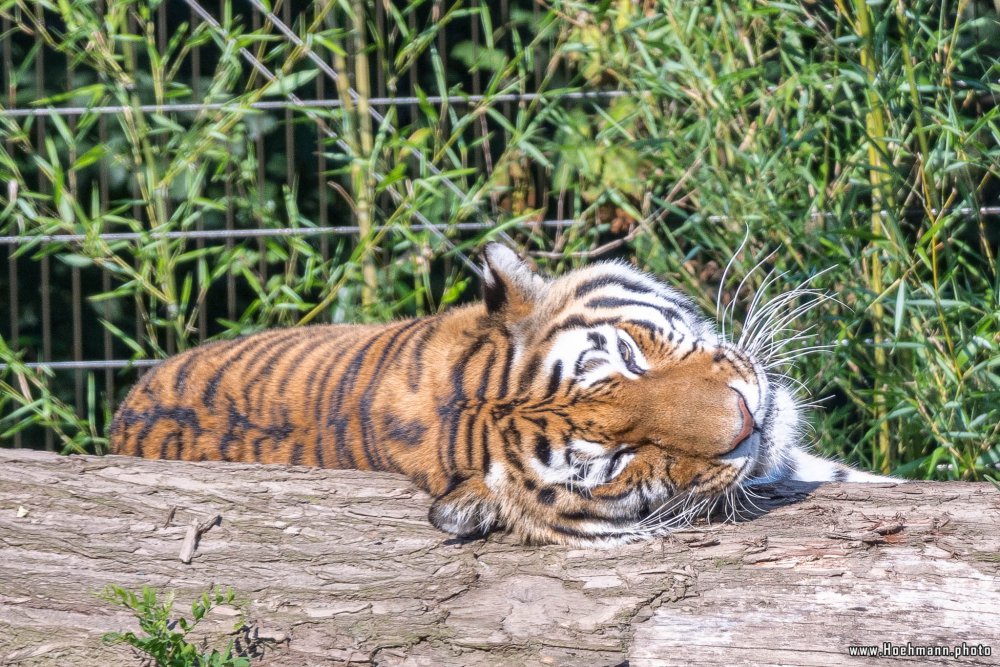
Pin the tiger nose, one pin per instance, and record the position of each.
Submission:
(747, 428)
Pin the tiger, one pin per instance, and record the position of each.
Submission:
(595, 408)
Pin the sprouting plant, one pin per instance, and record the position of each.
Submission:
(163, 638)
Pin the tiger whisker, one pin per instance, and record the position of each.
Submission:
(775, 315)
(776, 350)
(752, 321)
(776, 319)
(655, 521)
(768, 324)
(777, 312)
(685, 518)
(798, 334)
(759, 309)
(787, 355)
(731, 308)
(791, 356)
(756, 302)
(665, 508)
(815, 403)
(749, 496)
(722, 282)
(790, 379)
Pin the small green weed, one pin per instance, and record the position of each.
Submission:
(165, 640)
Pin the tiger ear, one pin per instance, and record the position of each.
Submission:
(467, 510)
(510, 285)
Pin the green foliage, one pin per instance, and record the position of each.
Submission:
(163, 638)
(859, 139)
(843, 138)
(76, 434)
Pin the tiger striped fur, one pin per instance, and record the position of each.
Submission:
(598, 407)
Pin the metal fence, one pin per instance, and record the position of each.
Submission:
(48, 318)
(45, 297)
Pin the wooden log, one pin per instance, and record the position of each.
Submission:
(341, 567)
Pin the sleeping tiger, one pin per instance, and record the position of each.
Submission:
(599, 407)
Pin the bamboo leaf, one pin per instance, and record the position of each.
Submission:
(288, 83)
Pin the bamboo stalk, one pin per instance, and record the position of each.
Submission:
(364, 184)
(875, 129)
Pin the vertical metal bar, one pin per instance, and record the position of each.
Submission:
(324, 242)
(104, 193)
(544, 202)
(161, 46)
(12, 282)
(384, 200)
(289, 133)
(230, 222)
(128, 50)
(161, 28)
(75, 289)
(261, 175)
(567, 207)
(445, 122)
(494, 198)
(45, 266)
(230, 278)
(15, 332)
(504, 20)
(200, 225)
(109, 375)
(77, 317)
(477, 84)
(536, 16)
(413, 70)
(380, 50)
(289, 125)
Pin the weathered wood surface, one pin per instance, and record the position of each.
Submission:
(341, 567)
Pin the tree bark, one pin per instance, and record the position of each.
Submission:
(342, 567)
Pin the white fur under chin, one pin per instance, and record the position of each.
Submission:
(782, 433)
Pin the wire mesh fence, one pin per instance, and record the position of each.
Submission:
(180, 171)
(68, 314)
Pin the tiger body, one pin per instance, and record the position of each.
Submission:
(598, 407)
(334, 396)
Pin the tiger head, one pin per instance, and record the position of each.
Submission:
(626, 412)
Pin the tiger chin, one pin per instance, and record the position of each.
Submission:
(599, 407)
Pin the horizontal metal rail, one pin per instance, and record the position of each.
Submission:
(91, 364)
(224, 234)
(194, 107)
(345, 230)
(965, 212)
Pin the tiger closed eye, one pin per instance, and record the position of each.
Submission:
(625, 351)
